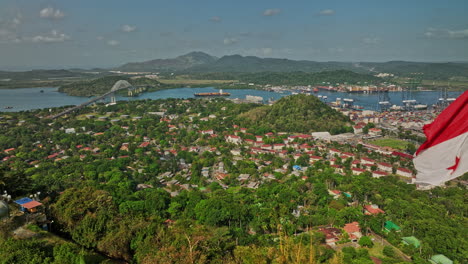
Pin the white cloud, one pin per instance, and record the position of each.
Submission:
(53, 36)
(266, 51)
(371, 40)
(446, 33)
(113, 42)
(51, 13)
(7, 36)
(128, 28)
(271, 12)
(16, 21)
(8, 29)
(327, 12)
(429, 34)
(215, 19)
(230, 41)
(335, 50)
(458, 33)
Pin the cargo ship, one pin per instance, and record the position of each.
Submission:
(220, 93)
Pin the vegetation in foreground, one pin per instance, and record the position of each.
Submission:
(90, 184)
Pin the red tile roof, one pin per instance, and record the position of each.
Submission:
(373, 210)
(383, 173)
(385, 164)
(144, 144)
(31, 204)
(352, 227)
(404, 170)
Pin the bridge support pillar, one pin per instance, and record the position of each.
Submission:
(112, 97)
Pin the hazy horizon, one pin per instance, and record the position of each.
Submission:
(89, 34)
(91, 67)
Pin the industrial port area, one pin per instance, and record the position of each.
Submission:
(376, 98)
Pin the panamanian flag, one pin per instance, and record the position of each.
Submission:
(444, 155)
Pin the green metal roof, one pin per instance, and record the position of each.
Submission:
(440, 259)
(411, 240)
(389, 226)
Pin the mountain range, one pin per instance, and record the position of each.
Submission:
(180, 63)
(200, 62)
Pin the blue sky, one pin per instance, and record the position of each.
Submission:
(103, 33)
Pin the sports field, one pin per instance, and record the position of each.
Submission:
(390, 142)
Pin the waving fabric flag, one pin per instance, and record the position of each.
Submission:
(444, 155)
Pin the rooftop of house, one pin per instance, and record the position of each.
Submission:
(352, 227)
(440, 259)
(383, 173)
(390, 226)
(31, 204)
(404, 170)
(411, 240)
(373, 209)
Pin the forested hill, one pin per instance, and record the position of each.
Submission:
(238, 63)
(199, 62)
(103, 85)
(430, 70)
(297, 113)
(176, 64)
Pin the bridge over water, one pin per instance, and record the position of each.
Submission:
(119, 85)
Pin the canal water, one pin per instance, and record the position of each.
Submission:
(46, 97)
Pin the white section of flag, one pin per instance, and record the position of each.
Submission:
(433, 163)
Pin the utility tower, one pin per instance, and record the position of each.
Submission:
(384, 100)
(410, 87)
(112, 98)
(443, 97)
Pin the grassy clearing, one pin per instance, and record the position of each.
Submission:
(194, 82)
(452, 84)
(377, 249)
(390, 142)
(459, 84)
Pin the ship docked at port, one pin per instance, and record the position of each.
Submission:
(220, 93)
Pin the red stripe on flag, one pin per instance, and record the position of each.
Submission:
(452, 122)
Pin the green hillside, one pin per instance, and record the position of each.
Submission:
(167, 65)
(429, 70)
(199, 62)
(297, 113)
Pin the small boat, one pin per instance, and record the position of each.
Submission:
(8, 107)
(41, 91)
(220, 93)
(420, 107)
